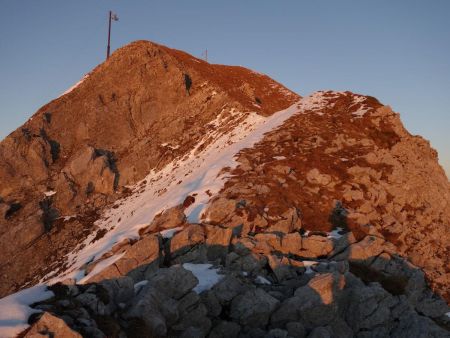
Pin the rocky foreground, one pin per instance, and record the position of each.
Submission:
(257, 286)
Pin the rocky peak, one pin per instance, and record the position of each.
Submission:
(84, 147)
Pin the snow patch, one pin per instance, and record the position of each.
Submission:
(49, 193)
(75, 85)
(170, 232)
(167, 145)
(138, 286)
(261, 280)
(308, 265)
(336, 233)
(69, 217)
(206, 275)
(15, 309)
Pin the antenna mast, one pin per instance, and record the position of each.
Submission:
(114, 17)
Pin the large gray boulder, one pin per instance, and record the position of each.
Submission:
(228, 288)
(154, 310)
(175, 282)
(253, 308)
(225, 329)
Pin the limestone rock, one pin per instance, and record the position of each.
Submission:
(174, 281)
(170, 218)
(253, 308)
(185, 239)
(49, 325)
(219, 209)
(316, 246)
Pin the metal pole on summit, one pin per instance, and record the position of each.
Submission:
(115, 18)
(109, 37)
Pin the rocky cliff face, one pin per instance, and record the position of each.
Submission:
(179, 198)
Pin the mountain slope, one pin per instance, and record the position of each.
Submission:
(91, 142)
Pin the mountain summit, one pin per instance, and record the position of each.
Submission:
(145, 106)
(166, 196)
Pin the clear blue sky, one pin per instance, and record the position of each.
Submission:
(398, 51)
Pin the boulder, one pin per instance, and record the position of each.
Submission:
(327, 286)
(279, 268)
(291, 243)
(296, 330)
(266, 243)
(250, 263)
(182, 241)
(313, 304)
(364, 251)
(144, 251)
(195, 317)
(367, 307)
(215, 235)
(225, 329)
(316, 246)
(175, 281)
(320, 332)
(168, 219)
(228, 288)
(120, 290)
(211, 302)
(219, 209)
(253, 308)
(290, 222)
(218, 240)
(276, 333)
(153, 310)
(51, 326)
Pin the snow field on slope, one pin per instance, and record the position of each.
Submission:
(198, 173)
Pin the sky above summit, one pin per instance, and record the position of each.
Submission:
(397, 51)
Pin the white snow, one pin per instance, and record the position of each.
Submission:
(206, 275)
(138, 286)
(198, 172)
(75, 85)
(262, 280)
(320, 99)
(49, 193)
(69, 217)
(15, 309)
(170, 232)
(308, 265)
(167, 145)
(363, 109)
(317, 101)
(335, 233)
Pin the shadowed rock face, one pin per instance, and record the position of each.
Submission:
(131, 114)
